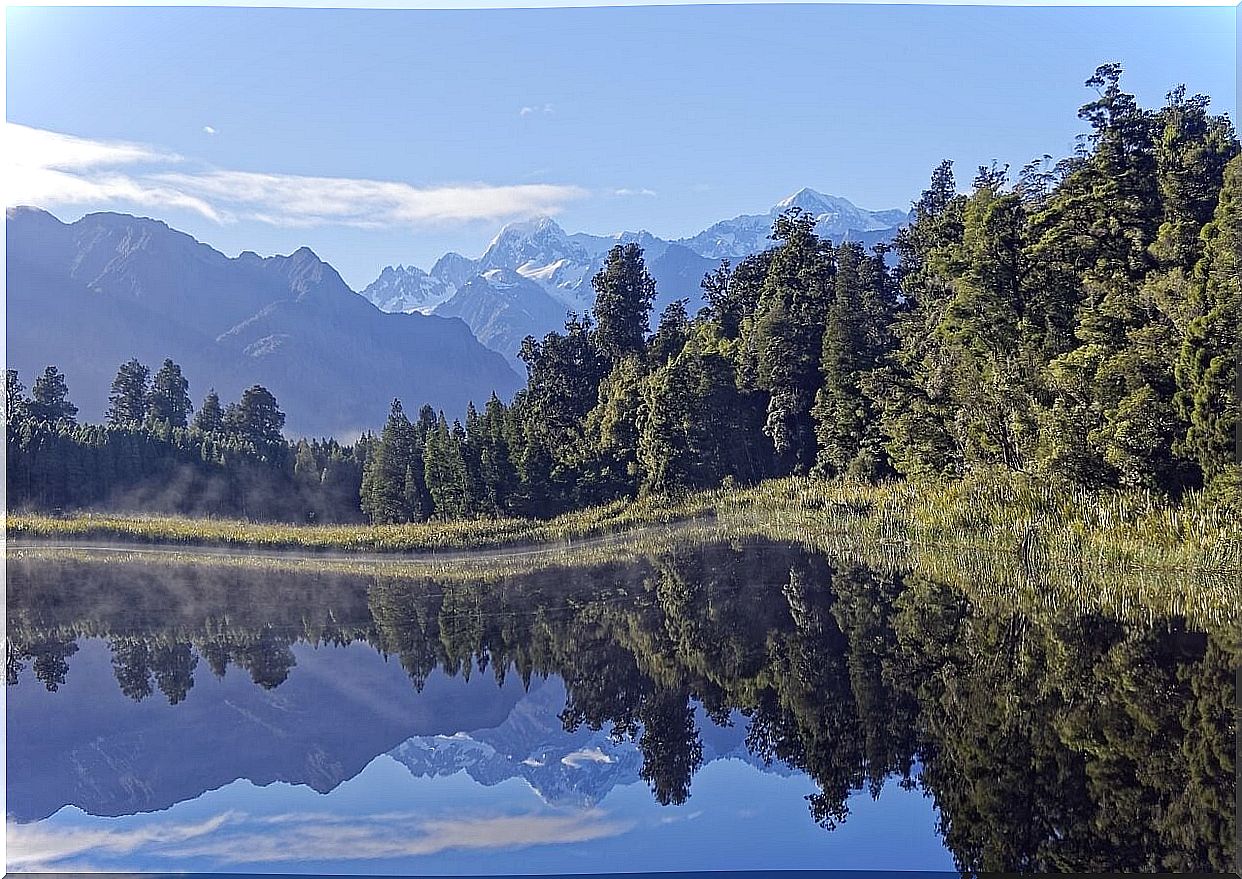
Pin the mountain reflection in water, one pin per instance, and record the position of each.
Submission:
(1058, 742)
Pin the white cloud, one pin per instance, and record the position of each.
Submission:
(291, 200)
(626, 193)
(35, 847)
(234, 838)
(207, 129)
(45, 169)
(546, 110)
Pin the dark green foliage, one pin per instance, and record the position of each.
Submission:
(127, 403)
(624, 292)
(16, 404)
(256, 417)
(446, 474)
(785, 335)
(393, 484)
(169, 397)
(210, 415)
(1210, 360)
(50, 399)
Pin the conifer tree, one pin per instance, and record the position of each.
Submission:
(50, 399)
(624, 292)
(169, 397)
(210, 416)
(128, 399)
(1211, 360)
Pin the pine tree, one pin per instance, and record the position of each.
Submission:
(169, 397)
(393, 489)
(16, 404)
(210, 417)
(50, 399)
(128, 399)
(1210, 361)
(256, 417)
(445, 472)
(624, 293)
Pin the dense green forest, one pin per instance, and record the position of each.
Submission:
(1079, 320)
(1051, 741)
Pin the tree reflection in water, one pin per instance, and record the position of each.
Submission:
(1076, 743)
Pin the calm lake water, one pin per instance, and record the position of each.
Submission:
(734, 706)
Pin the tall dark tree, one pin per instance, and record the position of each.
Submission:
(210, 415)
(1211, 358)
(127, 402)
(393, 487)
(50, 398)
(256, 417)
(169, 397)
(16, 404)
(787, 336)
(624, 293)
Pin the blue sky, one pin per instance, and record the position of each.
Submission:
(387, 136)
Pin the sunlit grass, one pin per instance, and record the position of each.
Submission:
(1017, 540)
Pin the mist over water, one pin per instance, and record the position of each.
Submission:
(715, 706)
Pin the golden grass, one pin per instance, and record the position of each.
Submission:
(1015, 540)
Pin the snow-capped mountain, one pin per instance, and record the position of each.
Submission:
(565, 768)
(836, 218)
(408, 289)
(488, 293)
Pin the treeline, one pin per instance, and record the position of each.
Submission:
(152, 455)
(1054, 743)
(1079, 321)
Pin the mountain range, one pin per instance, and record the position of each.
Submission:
(89, 295)
(90, 746)
(533, 272)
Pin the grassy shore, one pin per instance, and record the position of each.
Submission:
(1015, 514)
(1019, 542)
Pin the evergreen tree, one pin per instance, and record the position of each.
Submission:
(50, 399)
(210, 416)
(854, 344)
(16, 404)
(128, 399)
(393, 489)
(671, 333)
(624, 292)
(1210, 361)
(169, 397)
(256, 417)
(786, 335)
(445, 471)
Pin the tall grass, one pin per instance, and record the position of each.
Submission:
(1017, 541)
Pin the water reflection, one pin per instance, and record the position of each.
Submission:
(1074, 743)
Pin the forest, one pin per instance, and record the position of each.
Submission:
(1077, 320)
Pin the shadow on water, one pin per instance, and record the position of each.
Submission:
(1074, 743)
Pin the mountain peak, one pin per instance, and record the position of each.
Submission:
(542, 227)
(810, 200)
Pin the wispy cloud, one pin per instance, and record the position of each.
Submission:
(545, 110)
(235, 838)
(36, 847)
(628, 193)
(47, 169)
(291, 200)
(207, 129)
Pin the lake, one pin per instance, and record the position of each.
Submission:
(708, 706)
